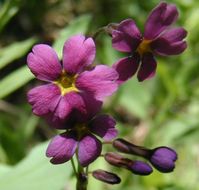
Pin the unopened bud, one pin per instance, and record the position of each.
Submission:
(163, 159)
(106, 177)
(140, 168)
(129, 148)
(136, 167)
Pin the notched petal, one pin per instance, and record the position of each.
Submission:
(44, 63)
(62, 148)
(78, 52)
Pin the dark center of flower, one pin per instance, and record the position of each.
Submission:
(66, 83)
(144, 47)
(81, 130)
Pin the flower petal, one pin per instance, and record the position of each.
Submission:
(147, 68)
(82, 105)
(89, 149)
(126, 37)
(126, 67)
(104, 126)
(44, 63)
(159, 19)
(174, 34)
(76, 107)
(78, 53)
(62, 148)
(163, 47)
(44, 99)
(100, 82)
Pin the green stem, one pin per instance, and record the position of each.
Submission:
(82, 178)
(74, 169)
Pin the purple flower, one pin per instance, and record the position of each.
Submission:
(163, 159)
(80, 138)
(69, 86)
(158, 39)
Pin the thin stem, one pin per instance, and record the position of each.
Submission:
(82, 178)
(99, 31)
(74, 169)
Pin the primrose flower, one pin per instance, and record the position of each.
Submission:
(80, 138)
(69, 86)
(158, 39)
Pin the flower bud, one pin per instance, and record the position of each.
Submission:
(163, 159)
(140, 168)
(129, 148)
(136, 167)
(106, 177)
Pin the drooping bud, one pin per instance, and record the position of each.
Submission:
(106, 177)
(136, 167)
(129, 148)
(163, 159)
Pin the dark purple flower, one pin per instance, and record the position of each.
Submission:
(69, 86)
(80, 138)
(158, 39)
(163, 159)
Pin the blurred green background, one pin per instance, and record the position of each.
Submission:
(161, 111)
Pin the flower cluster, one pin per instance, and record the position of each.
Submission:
(74, 90)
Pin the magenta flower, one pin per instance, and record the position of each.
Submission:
(80, 138)
(69, 86)
(158, 39)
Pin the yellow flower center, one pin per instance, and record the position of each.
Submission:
(144, 47)
(66, 83)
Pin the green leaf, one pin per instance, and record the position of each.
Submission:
(135, 98)
(15, 51)
(8, 10)
(77, 26)
(15, 80)
(36, 172)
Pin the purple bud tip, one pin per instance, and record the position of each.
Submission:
(163, 159)
(140, 168)
(106, 177)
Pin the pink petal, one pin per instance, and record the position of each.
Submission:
(161, 17)
(78, 53)
(100, 82)
(104, 126)
(62, 148)
(44, 99)
(44, 63)
(89, 149)
(147, 68)
(126, 37)
(126, 67)
(174, 34)
(82, 107)
(162, 46)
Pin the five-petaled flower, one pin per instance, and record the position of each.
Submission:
(80, 138)
(158, 39)
(70, 85)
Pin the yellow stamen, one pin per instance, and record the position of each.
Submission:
(144, 47)
(66, 83)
